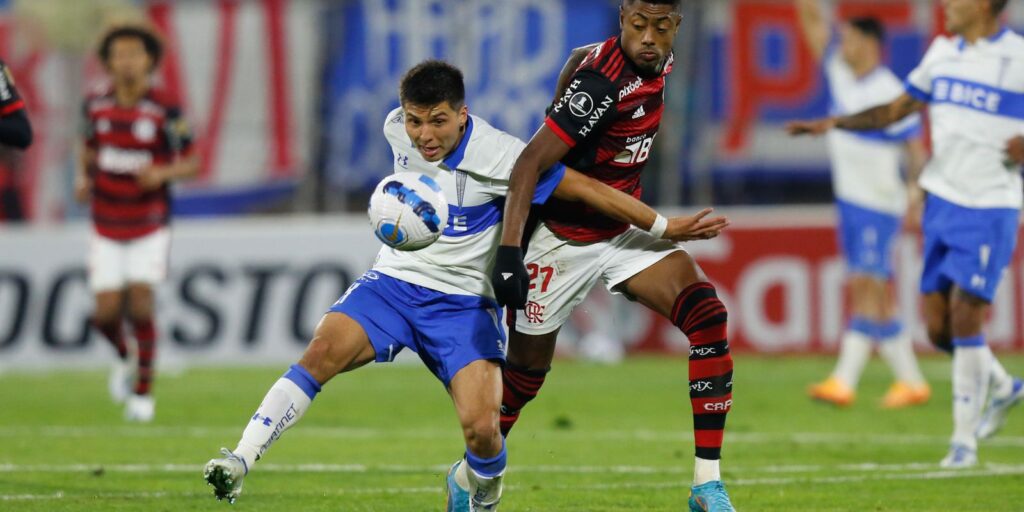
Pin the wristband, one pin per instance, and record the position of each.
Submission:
(659, 226)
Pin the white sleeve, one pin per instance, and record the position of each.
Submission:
(919, 81)
(394, 133)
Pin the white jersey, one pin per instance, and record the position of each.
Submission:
(866, 165)
(976, 104)
(474, 179)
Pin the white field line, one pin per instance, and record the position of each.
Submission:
(441, 468)
(807, 438)
(988, 471)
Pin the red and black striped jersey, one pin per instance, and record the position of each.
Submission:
(609, 116)
(10, 100)
(127, 140)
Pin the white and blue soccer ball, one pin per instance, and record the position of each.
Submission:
(408, 211)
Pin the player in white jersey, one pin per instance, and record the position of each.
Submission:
(871, 198)
(436, 301)
(973, 84)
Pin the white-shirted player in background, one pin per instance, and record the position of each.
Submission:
(871, 198)
(437, 301)
(973, 84)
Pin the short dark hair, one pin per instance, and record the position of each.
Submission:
(154, 45)
(677, 5)
(869, 26)
(433, 82)
(998, 6)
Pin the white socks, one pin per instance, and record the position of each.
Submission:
(483, 490)
(282, 407)
(898, 353)
(1000, 380)
(705, 470)
(854, 351)
(972, 362)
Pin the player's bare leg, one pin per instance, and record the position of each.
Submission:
(476, 392)
(677, 289)
(108, 318)
(140, 405)
(339, 345)
(874, 320)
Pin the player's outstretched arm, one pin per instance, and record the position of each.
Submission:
(813, 26)
(623, 207)
(509, 277)
(157, 175)
(871, 119)
(544, 150)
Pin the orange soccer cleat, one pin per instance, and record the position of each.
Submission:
(902, 395)
(833, 391)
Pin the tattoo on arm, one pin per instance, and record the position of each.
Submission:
(881, 116)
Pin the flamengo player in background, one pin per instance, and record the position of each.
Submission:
(136, 143)
(870, 199)
(973, 84)
(16, 132)
(604, 125)
(436, 301)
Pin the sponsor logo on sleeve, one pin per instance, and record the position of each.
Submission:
(596, 116)
(581, 104)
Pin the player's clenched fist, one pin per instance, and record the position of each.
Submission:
(1015, 149)
(696, 227)
(509, 278)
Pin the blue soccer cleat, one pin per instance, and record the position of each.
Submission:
(458, 498)
(995, 414)
(710, 497)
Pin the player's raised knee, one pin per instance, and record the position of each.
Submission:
(483, 436)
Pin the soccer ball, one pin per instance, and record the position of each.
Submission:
(408, 211)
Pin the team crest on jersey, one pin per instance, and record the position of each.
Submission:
(581, 104)
(144, 129)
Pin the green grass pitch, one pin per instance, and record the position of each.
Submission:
(600, 438)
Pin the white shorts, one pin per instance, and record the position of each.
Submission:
(115, 263)
(562, 272)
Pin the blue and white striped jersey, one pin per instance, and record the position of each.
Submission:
(866, 165)
(474, 179)
(976, 103)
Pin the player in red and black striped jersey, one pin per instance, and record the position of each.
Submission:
(136, 142)
(604, 124)
(15, 132)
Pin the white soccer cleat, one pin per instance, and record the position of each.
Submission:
(225, 475)
(119, 383)
(995, 414)
(140, 408)
(959, 457)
